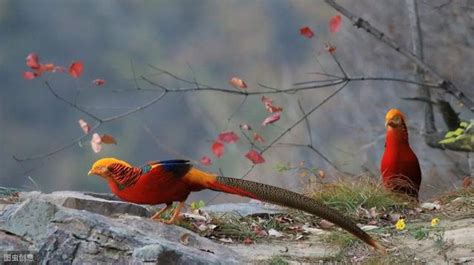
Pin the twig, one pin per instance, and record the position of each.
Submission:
(134, 75)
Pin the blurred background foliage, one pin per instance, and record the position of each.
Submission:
(258, 41)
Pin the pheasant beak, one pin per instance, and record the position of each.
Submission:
(91, 172)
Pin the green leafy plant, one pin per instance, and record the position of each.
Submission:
(197, 204)
(462, 136)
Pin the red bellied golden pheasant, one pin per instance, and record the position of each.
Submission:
(172, 181)
(400, 168)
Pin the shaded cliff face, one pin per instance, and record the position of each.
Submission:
(257, 41)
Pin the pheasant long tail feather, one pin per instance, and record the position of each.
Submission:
(290, 199)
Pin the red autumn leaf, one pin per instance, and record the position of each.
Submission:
(96, 143)
(29, 75)
(85, 127)
(306, 32)
(32, 61)
(49, 67)
(217, 148)
(108, 139)
(258, 138)
(255, 157)
(268, 103)
(272, 108)
(206, 161)
(238, 83)
(98, 82)
(335, 23)
(228, 137)
(76, 68)
(271, 119)
(245, 127)
(330, 48)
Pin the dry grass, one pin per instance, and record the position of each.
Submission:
(347, 196)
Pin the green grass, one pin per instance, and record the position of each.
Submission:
(276, 261)
(346, 195)
(341, 239)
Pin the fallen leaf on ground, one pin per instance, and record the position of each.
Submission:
(274, 233)
(430, 206)
(368, 227)
(247, 241)
(226, 240)
(184, 239)
(324, 224)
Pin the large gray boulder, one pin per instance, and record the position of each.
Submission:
(51, 226)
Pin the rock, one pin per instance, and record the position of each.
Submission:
(244, 209)
(63, 235)
(80, 201)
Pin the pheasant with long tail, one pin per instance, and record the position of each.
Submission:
(400, 167)
(173, 180)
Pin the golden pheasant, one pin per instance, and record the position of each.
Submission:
(173, 180)
(399, 166)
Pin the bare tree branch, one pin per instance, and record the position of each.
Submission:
(364, 24)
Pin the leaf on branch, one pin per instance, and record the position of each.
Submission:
(76, 68)
(268, 103)
(330, 48)
(238, 83)
(306, 32)
(29, 75)
(85, 127)
(96, 143)
(255, 157)
(271, 119)
(206, 161)
(217, 149)
(32, 61)
(335, 23)
(98, 82)
(245, 127)
(108, 139)
(228, 137)
(258, 138)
